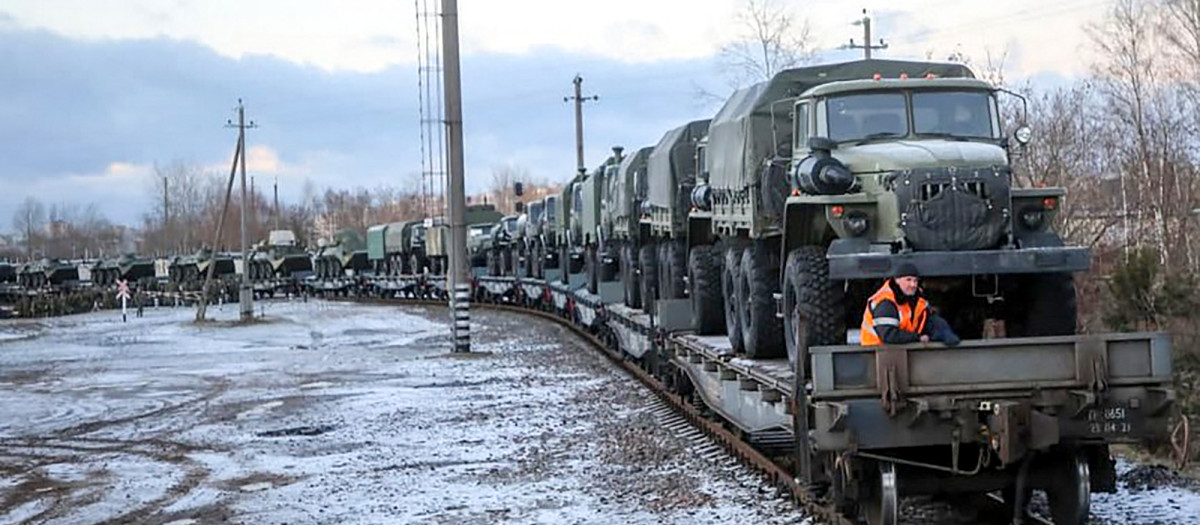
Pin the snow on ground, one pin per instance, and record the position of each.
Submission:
(340, 413)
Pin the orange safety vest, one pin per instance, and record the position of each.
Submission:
(911, 319)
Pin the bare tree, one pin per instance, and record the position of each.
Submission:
(30, 219)
(770, 39)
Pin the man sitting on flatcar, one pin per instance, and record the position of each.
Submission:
(899, 314)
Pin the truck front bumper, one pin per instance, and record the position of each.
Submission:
(867, 265)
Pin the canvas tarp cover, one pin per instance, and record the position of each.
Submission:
(624, 194)
(397, 233)
(740, 136)
(673, 163)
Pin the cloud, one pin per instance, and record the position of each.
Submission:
(98, 114)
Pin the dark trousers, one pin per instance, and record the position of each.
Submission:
(939, 330)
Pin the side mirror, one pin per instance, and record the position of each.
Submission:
(821, 144)
(1023, 134)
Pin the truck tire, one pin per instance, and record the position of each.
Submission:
(649, 277)
(564, 258)
(593, 272)
(675, 261)
(704, 278)
(1045, 306)
(506, 262)
(629, 278)
(813, 305)
(762, 331)
(608, 271)
(731, 289)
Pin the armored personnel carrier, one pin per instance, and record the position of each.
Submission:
(128, 267)
(347, 250)
(190, 270)
(279, 257)
(47, 272)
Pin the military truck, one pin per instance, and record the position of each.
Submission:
(548, 233)
(479, 240)
(663, 257)
(190, 270)
(129, 267)
(626, 192)
(528, 239)
(47, 272)
(500, 250)
(279, 257)
(346, 250)
(823, 180)
(600, 258)
(568, 228)
(390, 248)
(437, 246)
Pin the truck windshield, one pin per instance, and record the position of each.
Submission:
(479, 229)
(510, 224)
(867, 116)
(955, 113)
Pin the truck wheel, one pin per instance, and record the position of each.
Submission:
(704, 278)
(675, 260)
(593, 273)
(1069, 493)
(762, 330)
(813, 305)
(1045, 306)
(564, 263)
(629, 278)
(730, 279)
(649, 277)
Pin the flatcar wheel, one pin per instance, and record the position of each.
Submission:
(1070, 489)
(882, 503)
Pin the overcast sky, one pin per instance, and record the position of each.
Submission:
(95, 92)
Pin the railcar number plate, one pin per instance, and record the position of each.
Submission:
(1112, 419)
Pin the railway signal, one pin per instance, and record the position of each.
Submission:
(123, 294)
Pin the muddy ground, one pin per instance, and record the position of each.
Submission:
(336, 413)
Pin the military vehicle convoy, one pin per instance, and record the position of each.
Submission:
(128, 267)
(346, 250)
(799, 197)
(279, 257)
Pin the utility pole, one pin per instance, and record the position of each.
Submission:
(166, 235)
(458, 283)
(276, 218)
(245, 293)
(579, 100)
(867, 47)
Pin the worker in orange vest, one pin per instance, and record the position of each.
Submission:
(899, 313)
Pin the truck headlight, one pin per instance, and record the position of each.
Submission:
(856, 223)
(1033, 218)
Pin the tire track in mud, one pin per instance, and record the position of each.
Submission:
(76, 446)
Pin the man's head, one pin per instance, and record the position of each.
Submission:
(907, 278)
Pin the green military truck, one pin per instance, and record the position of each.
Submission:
(626, 193)
(526, 240)
(600, 259)
(397, 248)
(547, 235)
(822, 181)
(567, 227)
(346, 250)
(663, 257)
(500, 259)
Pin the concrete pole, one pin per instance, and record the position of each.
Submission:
(866, 36)
(578, 81)
(245, 294)
(458, 283)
